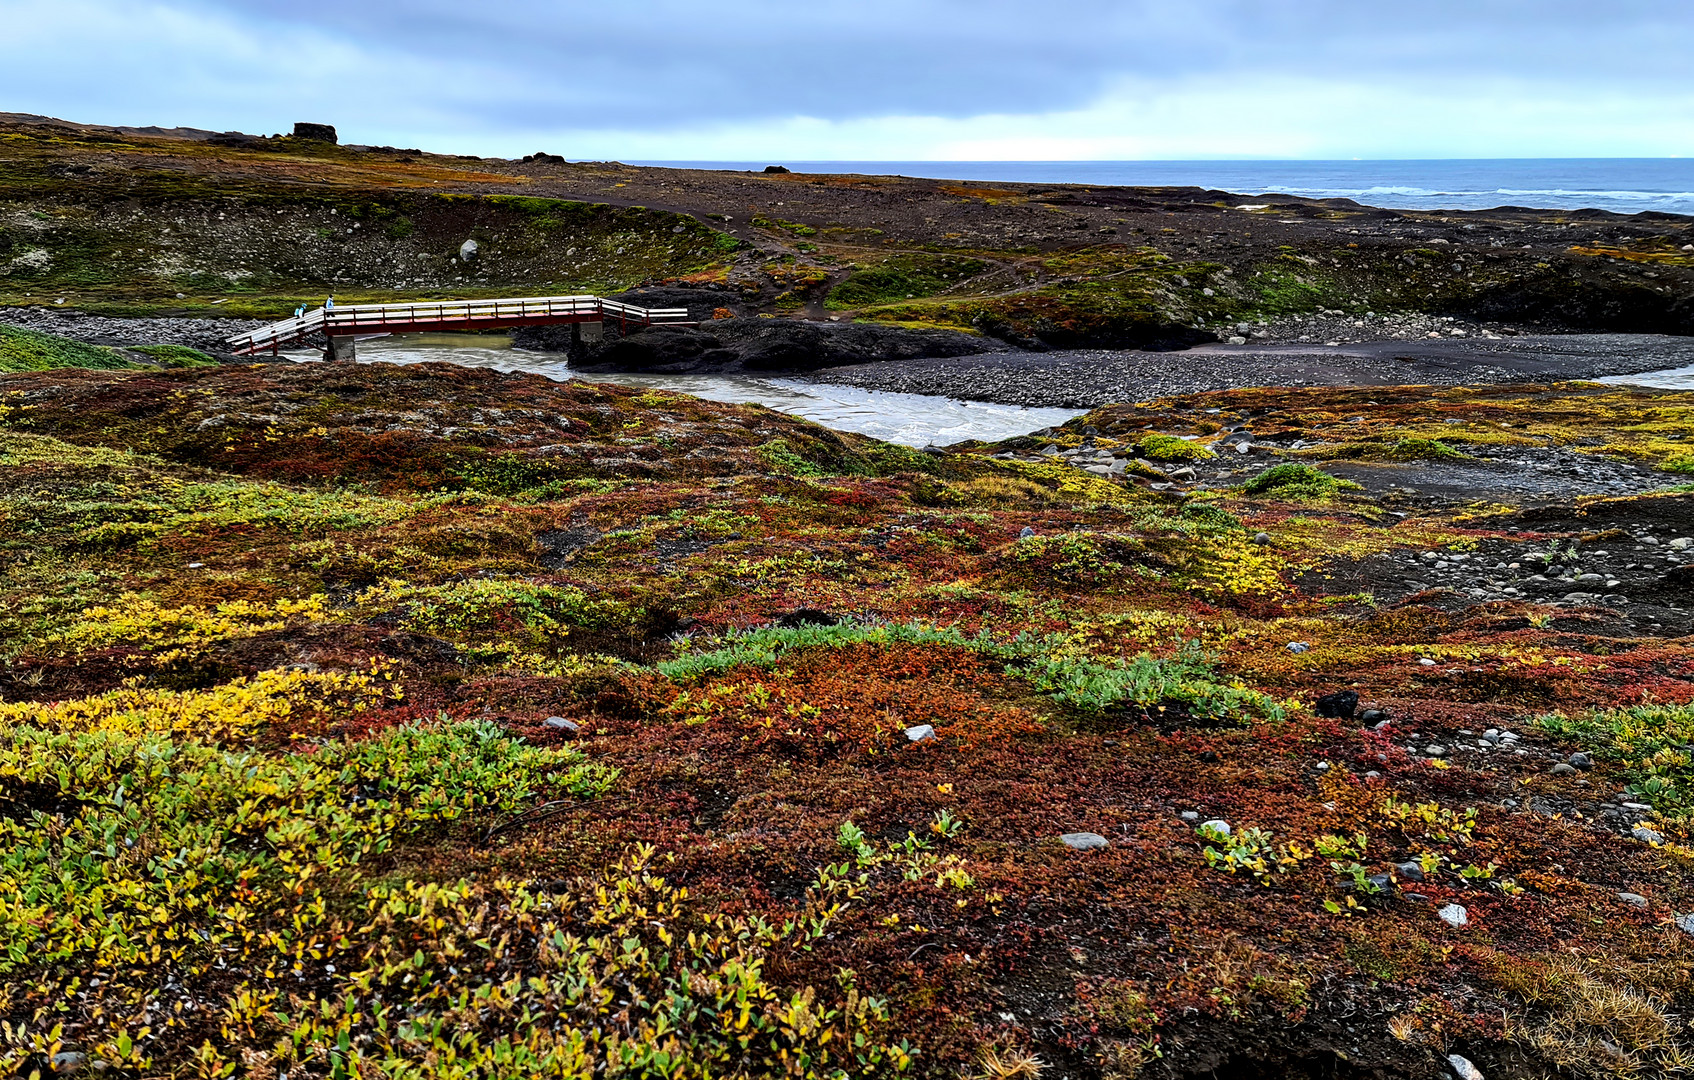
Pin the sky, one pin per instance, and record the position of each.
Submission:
(887, 80)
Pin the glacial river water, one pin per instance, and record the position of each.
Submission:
(910, 419)
(1681, 378)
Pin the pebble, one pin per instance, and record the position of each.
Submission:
(1084, 841)
(1685, 923)
(562, 724)
(1426, 662)
(1261, 538)
(1454, 915)
(1189, 815)
(1646, 835)
(1563, 769)
(1411, 871)
(1373, 716)
(920, 732)
(1462, 1068)
(1635, 900)
(1298, 647)
(1026, 533)
(1581, 761)
(1435, 750)
(1217, 825)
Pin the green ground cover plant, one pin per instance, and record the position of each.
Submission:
(31, 350)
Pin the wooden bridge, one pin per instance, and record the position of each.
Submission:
(341, 326)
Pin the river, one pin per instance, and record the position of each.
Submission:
(909, 419)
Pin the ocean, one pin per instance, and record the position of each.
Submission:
(1623, 185)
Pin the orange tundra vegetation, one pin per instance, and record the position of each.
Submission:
(422, 721)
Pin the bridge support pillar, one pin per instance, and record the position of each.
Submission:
(594, 330)
(340, 348)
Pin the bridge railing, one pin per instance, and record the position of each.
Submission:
(354, 319)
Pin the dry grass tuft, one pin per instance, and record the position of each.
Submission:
(1000, 1064)
(1601, 1020)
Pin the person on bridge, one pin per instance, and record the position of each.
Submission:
(300, 312)
(329, 304)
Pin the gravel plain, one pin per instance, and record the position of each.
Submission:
(1085, 379)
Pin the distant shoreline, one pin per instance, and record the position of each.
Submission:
(1620, 185)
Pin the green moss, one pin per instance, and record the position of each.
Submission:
(795, 227)
(1413, 449)
(176, 356)
(902, 277)
(1209, 514)
(1291, 480)
(781, 457)
(31, 350)
(1171, 448)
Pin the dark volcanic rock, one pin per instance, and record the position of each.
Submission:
(319, 132)
(750, 345)
(1340, 704)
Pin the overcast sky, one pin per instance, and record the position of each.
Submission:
(881, 79)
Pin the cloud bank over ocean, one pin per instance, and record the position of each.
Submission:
(985, 79)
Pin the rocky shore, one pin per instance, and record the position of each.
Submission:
(209, 335)
(1090, 378)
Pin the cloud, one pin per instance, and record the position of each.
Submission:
(878, 78)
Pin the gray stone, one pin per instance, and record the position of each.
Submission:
(920, 732)
(1298, 647)
(1646, 835)
(1563, 769)
(1026, 533)
(1261, 538)
(1084, 841)
(1454, 915)
(1411, 871)
(1435, 750)
(1581, 761)
(1462, 1068)
(1217, 825)
(1685, 923)
(562, 724)
(68, 1061)
(1189, 815)
(1635, 900)
(468, 251)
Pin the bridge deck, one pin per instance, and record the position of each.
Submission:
(359, 320)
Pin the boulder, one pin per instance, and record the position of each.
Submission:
(315, 132)
(1339, 705)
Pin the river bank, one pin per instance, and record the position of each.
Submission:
(1317, 350)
